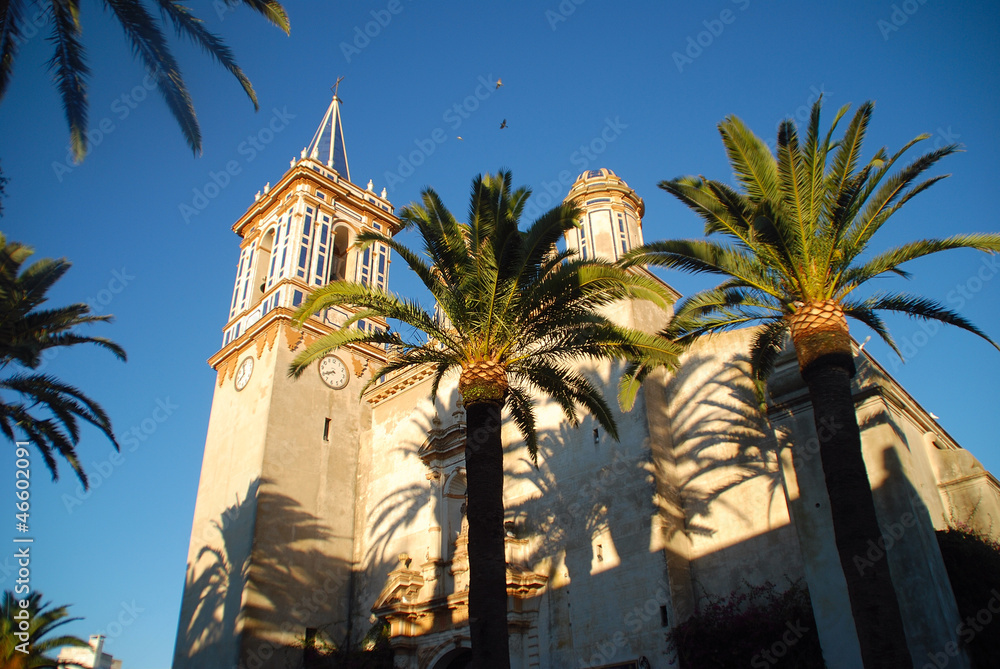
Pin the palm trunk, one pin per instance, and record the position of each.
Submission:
(487, 559)
(855, 524)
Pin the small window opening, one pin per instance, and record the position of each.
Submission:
(597, 436)
(664, 618)
(326, 429)
(600, 553)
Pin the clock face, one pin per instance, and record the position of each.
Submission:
(243, 373)
(333, 372)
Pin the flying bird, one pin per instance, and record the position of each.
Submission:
(504, 124)
(499, 83)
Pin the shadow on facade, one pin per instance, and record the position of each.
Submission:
(594, 542)
(253, 609)
(588, 534)
(721, 440)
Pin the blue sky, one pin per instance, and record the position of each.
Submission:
(640, 85)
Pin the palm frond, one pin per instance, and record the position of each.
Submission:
(889, 261)
(848, 151)
(269, 9)
(148, 43)
(752, 162)
(187, 24)
(69, 71)
(924, 309)
(503, 295)
(11, 21)
(767, 345)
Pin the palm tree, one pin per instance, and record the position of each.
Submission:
(144, 34)
(26, 332)
(514, 314)
(794, 236)
(41, 621)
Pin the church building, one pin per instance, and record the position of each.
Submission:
(321, 514)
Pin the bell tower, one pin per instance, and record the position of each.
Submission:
(271, 557)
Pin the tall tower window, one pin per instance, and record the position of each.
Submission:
(364, 275)
(584, 247)
(374, 265)
(281, 232)
(338, 264)
(286, 234)
(381, 265)
(247, 271)
(322, 246)
(242, 280)
(304, 244)
(623, 234)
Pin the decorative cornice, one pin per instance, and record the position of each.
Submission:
(303, 173)
(265, 331)
(873, 381)
(398, 383)
(443, 444)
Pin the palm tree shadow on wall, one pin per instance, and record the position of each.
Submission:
(232, 604)
(721, 440)
(390, 517)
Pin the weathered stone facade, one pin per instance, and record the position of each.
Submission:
(319, 513)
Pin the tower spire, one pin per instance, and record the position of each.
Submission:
(327, 145)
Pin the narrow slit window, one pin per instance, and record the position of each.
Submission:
(326, 429)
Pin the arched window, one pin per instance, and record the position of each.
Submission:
(338, 264)
(258, 283)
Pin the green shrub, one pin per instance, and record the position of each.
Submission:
(756, 626)
(973, 563)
